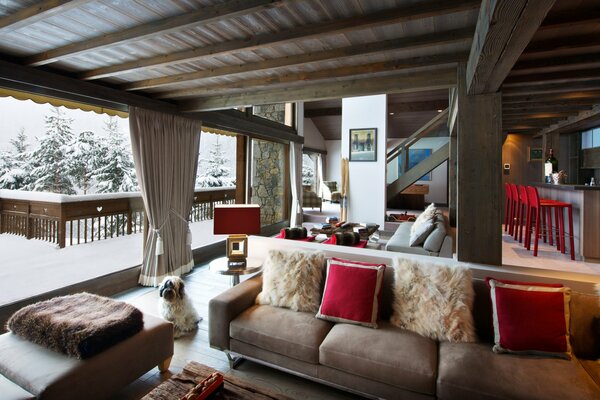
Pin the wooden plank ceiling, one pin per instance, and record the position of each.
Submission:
(202, 55)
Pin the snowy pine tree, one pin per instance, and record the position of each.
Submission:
(83, 159)
(49, 162)
(216, 173)
(115, 171)
(308, 171)
(13, 164)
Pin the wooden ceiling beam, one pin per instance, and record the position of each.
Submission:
(405, 43)
(562, 43)
(571, 121)
(322, 112)
(326, 74)
(508, 114)
(578, 17)
(579, 97)
(407, 82)
(533, 108)
(381, 18)
(203, 16)
(37, 12)
(556, 77)
(396, 108)
(504, 29)
(553, 64)
(551, 88)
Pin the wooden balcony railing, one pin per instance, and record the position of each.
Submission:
(72, 220)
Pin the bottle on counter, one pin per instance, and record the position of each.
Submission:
(552, 161)
(593, 181)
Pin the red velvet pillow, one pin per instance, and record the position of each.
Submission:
(530, 318)
(352, 292)
(361, 244)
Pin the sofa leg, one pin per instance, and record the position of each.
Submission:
(164, 365)
(233, 361)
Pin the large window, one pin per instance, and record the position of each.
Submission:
(590, 138)
(216, 162)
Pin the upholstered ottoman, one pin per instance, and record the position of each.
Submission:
(51, 375)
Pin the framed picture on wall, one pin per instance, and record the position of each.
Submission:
(363, 144)
(535, 154)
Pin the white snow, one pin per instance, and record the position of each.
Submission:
(63, 198)
(32, 267)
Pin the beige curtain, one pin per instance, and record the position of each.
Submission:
(296, 183)
(165, 151)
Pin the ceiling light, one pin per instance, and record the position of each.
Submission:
(440, 110)
(391, 113)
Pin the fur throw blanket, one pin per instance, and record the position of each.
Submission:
(80, 325)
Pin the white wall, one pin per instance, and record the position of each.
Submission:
(333, 164)
(312, 136)
(367, 188)
(438, 185)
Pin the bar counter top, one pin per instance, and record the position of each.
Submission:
(562, 186)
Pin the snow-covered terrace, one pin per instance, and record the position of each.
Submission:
(29, 267)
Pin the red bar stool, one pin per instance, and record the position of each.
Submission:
(522, 213)
(514, 194)
(507, 205)
(539, 208)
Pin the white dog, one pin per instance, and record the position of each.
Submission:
(176, 307)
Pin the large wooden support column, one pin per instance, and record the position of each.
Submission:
(479, 195)
(452, 180)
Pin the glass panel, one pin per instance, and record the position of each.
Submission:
(596, 138)
(308, 170)
(267, 184)
(421, 150)
(216, 162)
(586, 140)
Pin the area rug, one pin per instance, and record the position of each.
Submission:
(193, 373)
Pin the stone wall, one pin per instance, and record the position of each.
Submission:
(267, 181)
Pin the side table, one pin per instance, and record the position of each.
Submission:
(219, 266)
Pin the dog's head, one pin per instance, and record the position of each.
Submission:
(171, 288)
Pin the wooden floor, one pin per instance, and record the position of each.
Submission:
(201, 286)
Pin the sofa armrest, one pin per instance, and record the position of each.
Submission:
(225, 307)
(446, 249)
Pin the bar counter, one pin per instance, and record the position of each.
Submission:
(586, 215)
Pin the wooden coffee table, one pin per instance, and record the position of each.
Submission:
(193, 373)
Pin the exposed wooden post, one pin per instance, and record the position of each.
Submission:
(240, 169)
(452, 157)
(62, 227)
(479, 194)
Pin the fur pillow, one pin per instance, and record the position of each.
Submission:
(425, 216)
(433, 300)
(292, 279)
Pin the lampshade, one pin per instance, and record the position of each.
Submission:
(236, 219)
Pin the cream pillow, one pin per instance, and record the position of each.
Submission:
(419, 235)
(427, 215)
(292, 279)
(433, 300)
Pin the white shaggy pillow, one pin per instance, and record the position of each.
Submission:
(433, 300)
(292, 279)
(425, 216)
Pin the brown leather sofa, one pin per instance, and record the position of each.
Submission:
(30, 371)
(393, 363)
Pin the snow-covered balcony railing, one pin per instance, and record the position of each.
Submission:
(75, 219)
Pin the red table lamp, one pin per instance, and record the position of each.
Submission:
(238, 221)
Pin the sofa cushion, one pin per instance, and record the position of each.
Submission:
(474, 371)
(400, 241)
(390, 355)
(420, 233)
(292, 279)
(585, 325)
(293, 334)
(352, 292)
(530, 318)
(436, 238)
(434, 300)
(11, 391)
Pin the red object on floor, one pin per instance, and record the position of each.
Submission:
(361, 244)
(306, 239)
